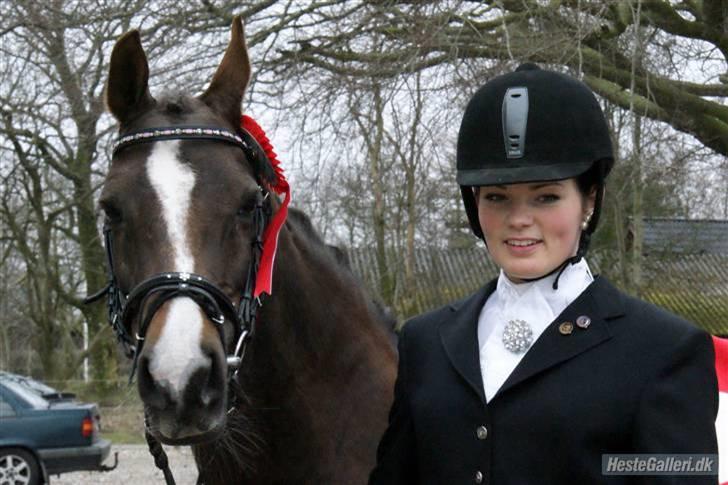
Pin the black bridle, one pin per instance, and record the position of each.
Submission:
(146, 298)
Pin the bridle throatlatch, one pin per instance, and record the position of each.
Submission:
(144, 300)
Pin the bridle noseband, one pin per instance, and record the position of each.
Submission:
(146, 298)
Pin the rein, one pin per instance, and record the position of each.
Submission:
(146, 298)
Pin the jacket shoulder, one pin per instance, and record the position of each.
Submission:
(651, 329)
(428, 323)
(658, 320)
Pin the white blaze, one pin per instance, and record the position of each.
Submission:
(177, 353)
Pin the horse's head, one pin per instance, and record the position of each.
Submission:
(180, 205)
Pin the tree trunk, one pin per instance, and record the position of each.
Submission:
(103, 356)
(637, 161)
(386, 280)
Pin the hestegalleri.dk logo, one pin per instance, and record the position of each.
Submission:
(659, 464)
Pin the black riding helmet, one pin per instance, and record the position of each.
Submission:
(532, 125)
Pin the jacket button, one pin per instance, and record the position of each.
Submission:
(481, 432)
(478, 477)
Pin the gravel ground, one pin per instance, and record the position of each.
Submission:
(136, 467)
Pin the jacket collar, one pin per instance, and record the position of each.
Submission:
(459, 336)
(600, 302)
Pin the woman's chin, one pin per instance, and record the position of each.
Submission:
(520, 270)
(522, 275)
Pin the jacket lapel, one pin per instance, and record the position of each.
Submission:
(459, 336)
(600, 302)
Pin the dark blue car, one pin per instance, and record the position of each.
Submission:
(44, 432)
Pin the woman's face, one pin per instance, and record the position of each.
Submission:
(532, 228)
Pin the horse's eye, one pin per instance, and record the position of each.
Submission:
(247, 207)
(112, 213)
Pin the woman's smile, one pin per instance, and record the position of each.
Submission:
(532, 228)
(523, 247)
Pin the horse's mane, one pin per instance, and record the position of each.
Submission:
(301, 223)
(241, 447)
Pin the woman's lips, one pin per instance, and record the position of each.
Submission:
(522, 246)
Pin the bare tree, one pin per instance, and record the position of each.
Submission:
(368, 95)
(591, 37)
(658, 66)
(55, 139)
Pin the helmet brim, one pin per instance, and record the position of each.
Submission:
(515, 175)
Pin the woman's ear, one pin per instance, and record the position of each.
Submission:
(590, 201)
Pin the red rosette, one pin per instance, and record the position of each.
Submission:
(264, 282)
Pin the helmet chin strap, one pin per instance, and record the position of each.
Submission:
(560, 269)
(580, 253)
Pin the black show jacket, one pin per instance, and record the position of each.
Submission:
(637, 380)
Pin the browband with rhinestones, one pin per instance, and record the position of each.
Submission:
(175, 133)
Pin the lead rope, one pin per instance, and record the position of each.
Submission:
(157, 451)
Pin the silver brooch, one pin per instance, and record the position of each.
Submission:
(517, 336)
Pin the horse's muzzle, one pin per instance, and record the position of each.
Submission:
(189, 413)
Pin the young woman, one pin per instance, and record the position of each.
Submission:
(545, 372)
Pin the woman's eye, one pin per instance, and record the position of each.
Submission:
(548, 198)
(492, 197)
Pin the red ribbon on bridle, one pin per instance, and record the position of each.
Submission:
(264, 281)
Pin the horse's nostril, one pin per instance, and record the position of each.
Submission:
(162, 398)
(210, 382)
(203, 396)
(157, 394)
(210, 391)
(183, 396)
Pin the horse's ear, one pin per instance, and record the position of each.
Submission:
(127, 91)
(231, 78)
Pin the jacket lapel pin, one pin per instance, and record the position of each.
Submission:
(583, 322)
(566, 328)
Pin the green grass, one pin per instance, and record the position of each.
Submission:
(708, 312)
(124, 437)
(122, 416)
(123, 422)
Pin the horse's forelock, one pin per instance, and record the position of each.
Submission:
(176, 107)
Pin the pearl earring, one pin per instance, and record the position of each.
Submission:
(585, 222)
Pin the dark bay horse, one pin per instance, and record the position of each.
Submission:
(314, 387)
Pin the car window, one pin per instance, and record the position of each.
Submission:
(35, 386)
(25, 394)
(6, 409)
(38, 387)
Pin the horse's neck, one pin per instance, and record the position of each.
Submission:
(320, 321)
(330, 365)
(317, 380)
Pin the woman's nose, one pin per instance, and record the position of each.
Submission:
(520, 215)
